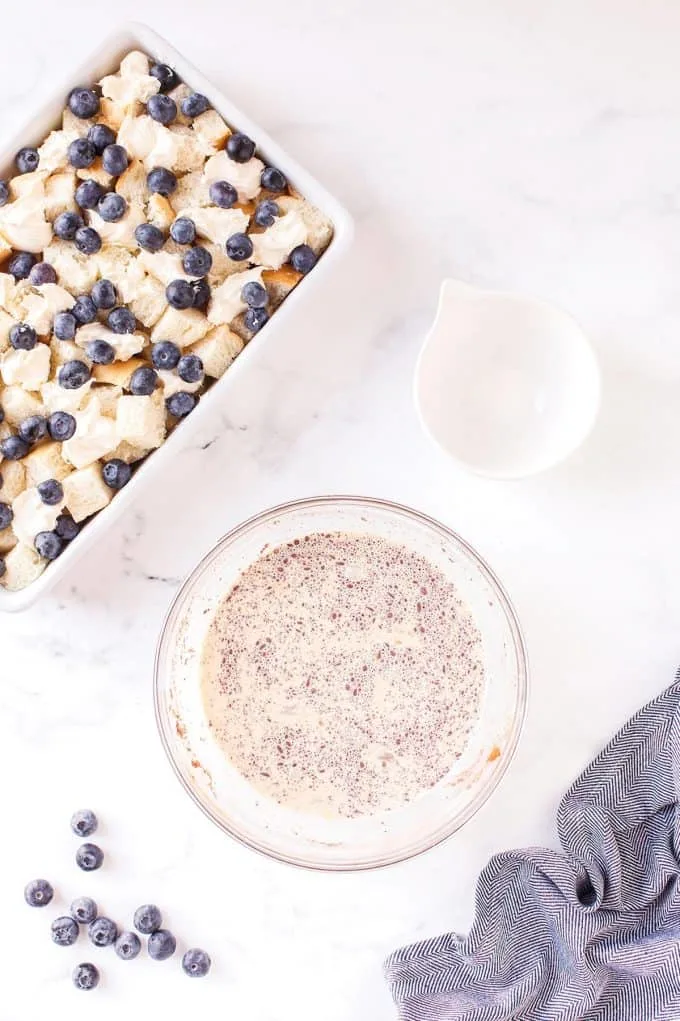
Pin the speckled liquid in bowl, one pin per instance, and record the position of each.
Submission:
(342, 674)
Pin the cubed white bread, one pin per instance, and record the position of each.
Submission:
(179, 93)
(164, 265)
(112, 114)
(85, 492)
(8, 288)
(159, 212)
(272, 247)
(121, 232)
(149, 302)
(5, 248)
(45, 462)
(58, 398)
(106, 396)
(29, 186)
(222, 265)
(120, 267)
(217, 350)
(53, 152)
(19, 404)
(22, 567)
(132, 183)
(182, 326)
(319, 227)
(77, 125)
(6, 323)
(75, 271)
(66, 351)
(118, 373)
(29, 369)
(23, 225)
(128, 452)
(172, 383)
(60, 193)
(13, 480)
(96, 172)
(190, 152)
(211, 130)
(141, 420)
(192, 190)
(280, 282)
(38, 306)
(95, 436)
(8, 539)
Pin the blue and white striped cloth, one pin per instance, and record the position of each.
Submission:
(591, 934)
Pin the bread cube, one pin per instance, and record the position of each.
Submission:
(13, 480)
(217, 350)
(211, 130)
(29, 369)
(45, 462)
(280, 282)
(159, 212)
(141, 420)
(60, 193)
(8, 539)
(19, 404)
(85, 492)
(118, 373)
(182, 326)
(22, 566)
(149, 302)
(6, 323)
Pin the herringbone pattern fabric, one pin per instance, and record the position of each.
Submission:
(589, 934)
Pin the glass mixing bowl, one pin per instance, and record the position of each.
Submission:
(313, 841)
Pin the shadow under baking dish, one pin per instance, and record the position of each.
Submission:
(307, 840)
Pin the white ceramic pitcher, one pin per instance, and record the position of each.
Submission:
(506, 385)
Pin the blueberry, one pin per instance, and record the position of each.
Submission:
(87, 240)
(181, 403)
(27, 160)
(66, 225)
(223, 194)
(201, 290)
(3, 566)
(51, 492)
(6, 515)
(197, 262)
(48, 544)
(88, 194)
(2, 419)
(84, 822)
(128, 945)
(121, 320)
(112, 207)
(183, 230)
(85, 976)
(61, 426)
(149, 237)
(72, 375)
(21, 264)
(239, 247)
(89, 857)
(13, 448)
(81, 153)
(101, 135)
(161, 108)
(165, 354)
(42, 273)
(116, 473)
(4, 192)
(196, 963)
(273, 180)
(65, 931)
(302, 259)
(254, 294)
(38, 893)
(64, 326)
(84, 910)
(84, 309)
(166, 75)
(143, 381)
(33, 428)
(239, 147)
(195, 104)
(115, 160)
(265, 213)
(179, 294)
(100, 352)
(66, 528)
(148, 919)
(255, 318)
(161, 181)
(190, 368)
(161, 945)
(104, 294)
(22, 337)
(103, 932)
(83, 102)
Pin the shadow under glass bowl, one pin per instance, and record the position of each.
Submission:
(307, 840)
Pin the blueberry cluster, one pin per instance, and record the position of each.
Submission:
(103, 931)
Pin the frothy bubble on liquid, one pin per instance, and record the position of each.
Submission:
(342, 674)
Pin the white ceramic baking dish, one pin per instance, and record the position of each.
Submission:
(105, 60)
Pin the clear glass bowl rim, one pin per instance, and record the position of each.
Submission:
(256, 521)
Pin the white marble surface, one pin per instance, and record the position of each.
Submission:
(530, 145)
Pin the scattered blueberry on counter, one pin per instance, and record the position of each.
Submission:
(128, 946)
(103, 932)
(148, 919)
(84, 910)
(65, 931)
(196, 963)
(38, 893)
(161, 945)
(89, 857)
(86, 976)
(84, 822)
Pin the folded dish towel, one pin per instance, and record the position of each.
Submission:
(591, 934)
